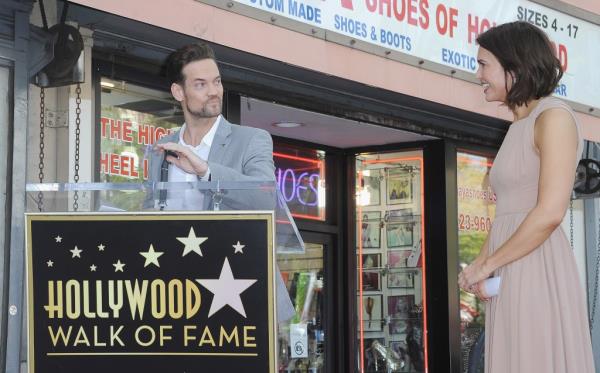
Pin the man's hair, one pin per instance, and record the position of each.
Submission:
(526, 53)
(185, 55)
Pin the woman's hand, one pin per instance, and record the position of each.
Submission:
(477, 290)
(185, 158)
(470, 277)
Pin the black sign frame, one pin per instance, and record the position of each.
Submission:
(209, 345)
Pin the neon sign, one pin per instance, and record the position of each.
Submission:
(302, 188)
(300, 181)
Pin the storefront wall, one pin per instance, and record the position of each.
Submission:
(589, 6)
(229, 29)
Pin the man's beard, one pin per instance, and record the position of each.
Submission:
(205, 112)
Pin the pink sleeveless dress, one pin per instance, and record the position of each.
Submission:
(538, 322)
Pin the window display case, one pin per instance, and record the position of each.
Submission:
(391, 303)
(301, 340)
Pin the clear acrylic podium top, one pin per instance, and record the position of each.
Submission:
(170, 197)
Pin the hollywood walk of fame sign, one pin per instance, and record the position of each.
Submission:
(151, 292)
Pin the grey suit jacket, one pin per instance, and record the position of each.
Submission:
(237, 154)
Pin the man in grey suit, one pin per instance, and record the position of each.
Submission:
(208, 147)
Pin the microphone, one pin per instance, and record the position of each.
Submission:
(164, 177)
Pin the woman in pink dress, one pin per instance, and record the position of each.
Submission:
(538, 321)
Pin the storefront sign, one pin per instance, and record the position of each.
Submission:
(150, 293)
(126, 136)
(442, 32)
(476, 200)
(300, 181)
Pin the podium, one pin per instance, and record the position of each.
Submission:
(156, 277)
(134, 197)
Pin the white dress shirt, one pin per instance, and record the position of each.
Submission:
(191, 199)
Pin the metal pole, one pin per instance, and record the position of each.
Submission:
(15, 343)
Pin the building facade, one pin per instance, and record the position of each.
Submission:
(383, 143)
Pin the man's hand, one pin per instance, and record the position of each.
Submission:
(185, 158)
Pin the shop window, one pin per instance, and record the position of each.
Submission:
(476, 210)
(132, 118)
(391, 302)
(301, 340)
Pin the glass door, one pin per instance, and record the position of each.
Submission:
(390, 253)
(476, 210)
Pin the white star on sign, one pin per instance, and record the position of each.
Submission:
(76, 252)
(192, 243)
(151, 256)
(58, 238)
(226, 290)
(238, 248)
(93, 268)
(50, 263)
(101, 247)
(119, 266)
